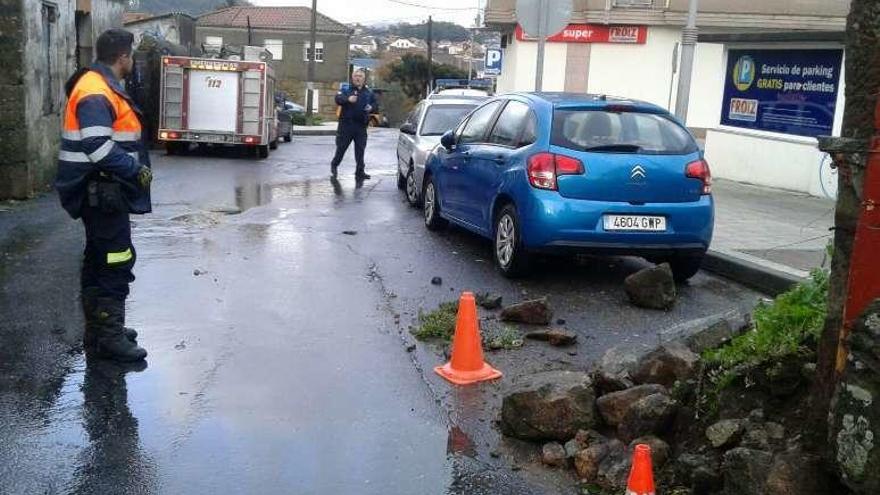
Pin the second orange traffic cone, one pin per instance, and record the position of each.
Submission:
(467, 365)
(641, 476)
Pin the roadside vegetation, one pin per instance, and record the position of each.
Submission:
(438, 324)
(789, 326)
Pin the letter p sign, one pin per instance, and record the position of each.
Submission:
(493, 61)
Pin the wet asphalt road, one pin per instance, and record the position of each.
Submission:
(278, 344)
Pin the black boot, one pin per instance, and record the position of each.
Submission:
(111, 342)
(89, 297)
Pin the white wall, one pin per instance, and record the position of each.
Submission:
(519, 67)
(641, 72)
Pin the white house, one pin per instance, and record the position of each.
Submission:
(753, 131)
(403, 44)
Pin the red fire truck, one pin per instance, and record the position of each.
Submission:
(217, 101)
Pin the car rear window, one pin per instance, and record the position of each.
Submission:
(441, 118)
(620, 132)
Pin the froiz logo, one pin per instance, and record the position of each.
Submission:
(638, 173)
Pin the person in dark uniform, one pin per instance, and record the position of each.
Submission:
(356, 102)
(103, 175)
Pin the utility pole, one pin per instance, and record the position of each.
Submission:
(310, 83)
(542, 41)
(471, 47)
(854, 281)
(430, 55)
(688, 46)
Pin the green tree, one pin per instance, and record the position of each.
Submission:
(411, 73)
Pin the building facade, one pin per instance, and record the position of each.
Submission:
(41, 44)
(630, 48)
(284, 32)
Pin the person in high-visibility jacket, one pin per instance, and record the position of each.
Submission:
(103, 175)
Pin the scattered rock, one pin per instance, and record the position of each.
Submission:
(586, 462)
(535, 312)
(725, 433)
(614, 406)
(436, 281)
(556, 337)
(553, 454)
(775, 431)
(698, 472)
(495, 454)
(745, 471)
(198, 272)
(649, 415)
(659, 449)
(410, 348)
(572, 447)
(560, 322)
(615, 466)
(613, 372)
(181, 346)
(489, 301)
(652, 288)
(349, 232)
(666, 364)
(551, 405)
(795, 472)
(756, 437)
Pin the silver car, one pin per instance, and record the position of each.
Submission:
(421, 132)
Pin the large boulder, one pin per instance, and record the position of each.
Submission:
(614, 370)
(651, 415)
(552, 405)
(667, 364)
(536, 312)
(652, 288)
(745, 471)
(855, 414)
(725, 433)
(614, 406)
(699, 472)
(795, 472)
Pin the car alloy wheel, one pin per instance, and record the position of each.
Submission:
(430, 198)
(412, 195)
(505, 240)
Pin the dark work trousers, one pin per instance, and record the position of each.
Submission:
(109, 255)
(347, 132)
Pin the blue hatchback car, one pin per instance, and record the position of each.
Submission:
(570, 173)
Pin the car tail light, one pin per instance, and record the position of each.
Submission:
(544, 168)
(700, 170)
(250, 140)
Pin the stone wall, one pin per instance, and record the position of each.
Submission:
(31, 91)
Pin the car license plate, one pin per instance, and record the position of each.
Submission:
(643, 223)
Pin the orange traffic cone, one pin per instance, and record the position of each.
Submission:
(641, 476)
(467, 365)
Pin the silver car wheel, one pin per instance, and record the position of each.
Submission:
(429, 202)
(505, 240)
(411, 193)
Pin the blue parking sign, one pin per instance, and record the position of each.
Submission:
(494, 58)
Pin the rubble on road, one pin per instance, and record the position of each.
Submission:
(552, 405)
(534, 312)
(556, 337)
(652, 288)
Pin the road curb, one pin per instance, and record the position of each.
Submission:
(752, 272)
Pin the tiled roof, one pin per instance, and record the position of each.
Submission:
(281, 18)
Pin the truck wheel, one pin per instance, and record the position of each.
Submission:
(273, 145)
(172, 148)
(288, 138)
(263, 151)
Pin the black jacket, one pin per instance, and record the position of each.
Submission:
(355, 113)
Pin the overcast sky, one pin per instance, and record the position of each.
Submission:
(373, 11)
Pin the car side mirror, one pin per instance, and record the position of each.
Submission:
(408, 128)
(448, 140)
